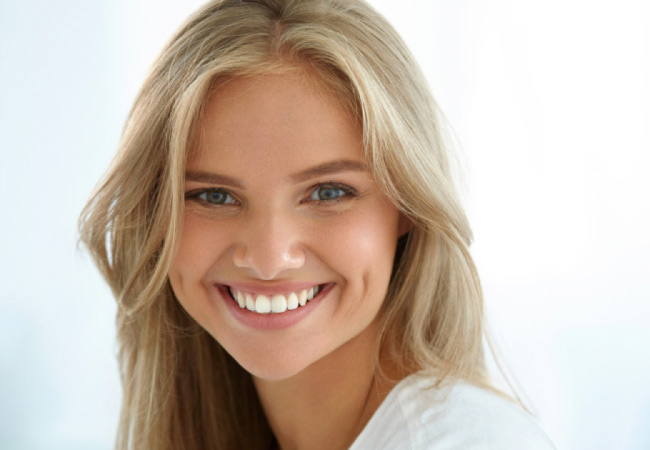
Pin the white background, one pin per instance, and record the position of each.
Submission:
(549, 102)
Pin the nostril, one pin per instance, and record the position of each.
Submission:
(267, 262)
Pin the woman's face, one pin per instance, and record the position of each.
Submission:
(282, 216)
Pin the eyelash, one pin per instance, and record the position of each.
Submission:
(196, 194)
(348, 192)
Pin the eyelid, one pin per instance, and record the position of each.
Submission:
(349, 191)
(195, 194)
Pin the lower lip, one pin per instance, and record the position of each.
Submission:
(272, 321)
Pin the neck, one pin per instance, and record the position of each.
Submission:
(326, 405)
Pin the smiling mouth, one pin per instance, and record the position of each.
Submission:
(274, 304)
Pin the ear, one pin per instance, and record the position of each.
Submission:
(404, 225)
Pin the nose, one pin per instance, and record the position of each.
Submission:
(268, 246)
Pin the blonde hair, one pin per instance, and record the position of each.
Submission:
(181, 389)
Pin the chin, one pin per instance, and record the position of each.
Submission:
(276, 370)
(271, 364)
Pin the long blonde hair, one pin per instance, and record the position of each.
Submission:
(181, 389)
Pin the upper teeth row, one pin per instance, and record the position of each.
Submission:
(278, 303)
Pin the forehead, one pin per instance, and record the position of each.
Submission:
(291, 117)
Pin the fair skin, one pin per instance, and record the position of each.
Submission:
(279, 201)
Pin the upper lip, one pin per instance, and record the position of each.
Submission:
(271, 289)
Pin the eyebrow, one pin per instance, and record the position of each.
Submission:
(212, 178)
(342, 165)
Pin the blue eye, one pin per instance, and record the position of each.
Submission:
(216, 197)
(327, 192)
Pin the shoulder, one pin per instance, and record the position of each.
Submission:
(418, 416)
(465, 416)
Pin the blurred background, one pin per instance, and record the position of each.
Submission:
(549, 104)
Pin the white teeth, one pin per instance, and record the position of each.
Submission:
(292, 301)
(241, 300)
(263, 304)
(250, 303)
(276, 304)
(302, 298)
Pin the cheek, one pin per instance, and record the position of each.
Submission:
(361, 247)
(195, 252)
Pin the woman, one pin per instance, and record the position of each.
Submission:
(289, 256)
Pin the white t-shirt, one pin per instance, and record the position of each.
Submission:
(417, 416)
